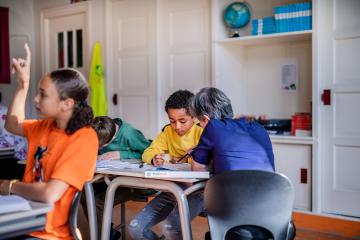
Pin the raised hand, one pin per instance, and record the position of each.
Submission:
(21, 67)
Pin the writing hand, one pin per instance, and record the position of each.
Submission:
(158, 160)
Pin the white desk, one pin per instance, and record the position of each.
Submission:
(136, 178)
(19, 223)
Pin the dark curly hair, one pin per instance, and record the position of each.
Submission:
(179, 99)
(105, 129)
(71, 83)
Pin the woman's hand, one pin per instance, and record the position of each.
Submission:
(21, 67)
(158, 160)
(249, 118)
(109, 155)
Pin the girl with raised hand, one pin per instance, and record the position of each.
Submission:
(62, 146)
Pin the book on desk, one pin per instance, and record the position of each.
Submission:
(13, 203)
(176, 174)
(167, 171)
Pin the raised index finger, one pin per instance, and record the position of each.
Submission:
(27, 54)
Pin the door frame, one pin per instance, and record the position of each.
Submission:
(66, 10)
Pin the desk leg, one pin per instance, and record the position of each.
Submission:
(184, 212)
(157, 184)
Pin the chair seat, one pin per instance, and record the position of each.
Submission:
(249, 204)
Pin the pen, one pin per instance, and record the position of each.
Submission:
(183, 157)
(141, 165)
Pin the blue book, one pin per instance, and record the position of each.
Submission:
(276, 12)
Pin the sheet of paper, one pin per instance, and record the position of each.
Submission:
(121, 164)
(13, 203)
(289, 78)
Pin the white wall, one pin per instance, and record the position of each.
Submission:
(21, 28)
(24, 21)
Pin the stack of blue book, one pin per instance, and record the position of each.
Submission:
(293, 17)
(264, 25)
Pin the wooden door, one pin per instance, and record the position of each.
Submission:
(131, 62)
(65, 37)
(338, 57)
(184, 47)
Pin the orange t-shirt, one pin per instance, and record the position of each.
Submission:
(69, 158)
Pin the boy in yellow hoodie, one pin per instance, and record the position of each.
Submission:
(175, 139)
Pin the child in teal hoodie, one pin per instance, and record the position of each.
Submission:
(117, 140)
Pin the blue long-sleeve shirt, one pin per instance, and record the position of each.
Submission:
(235, 144)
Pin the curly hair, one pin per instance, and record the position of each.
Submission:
(71, 83)
(180, 99)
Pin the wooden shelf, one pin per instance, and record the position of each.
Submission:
(292, 139)
(269, 38)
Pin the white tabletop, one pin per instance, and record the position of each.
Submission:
(134, 175)
(19, 223)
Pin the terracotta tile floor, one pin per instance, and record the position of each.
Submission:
(200, 226)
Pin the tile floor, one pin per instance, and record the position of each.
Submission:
(200, 226)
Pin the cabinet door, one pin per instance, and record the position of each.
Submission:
(131, 49)
(294, 161)
(338, 43)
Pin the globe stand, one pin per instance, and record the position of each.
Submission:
(235, 34)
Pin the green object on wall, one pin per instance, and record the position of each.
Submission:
(98, 100)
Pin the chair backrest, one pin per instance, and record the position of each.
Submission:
(73, 216)
(249, 198)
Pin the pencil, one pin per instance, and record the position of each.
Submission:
(182, 158)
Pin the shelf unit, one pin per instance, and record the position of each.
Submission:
(268, 39)
(248, 69)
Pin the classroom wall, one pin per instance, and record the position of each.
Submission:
(24, 21)
(21, 29)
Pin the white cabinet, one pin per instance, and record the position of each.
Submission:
(293, 159)
(249, 70)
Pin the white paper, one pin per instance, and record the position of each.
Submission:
(118, 164)
(289, 78)
(13, 203)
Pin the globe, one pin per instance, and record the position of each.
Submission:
(237, 15)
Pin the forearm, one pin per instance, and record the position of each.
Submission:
(148, 156)
(39, 191)
(16, 111)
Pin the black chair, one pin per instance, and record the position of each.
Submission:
(249, 204)
(73, 216)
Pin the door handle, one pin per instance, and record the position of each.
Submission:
(326, 97)
(115, 99)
